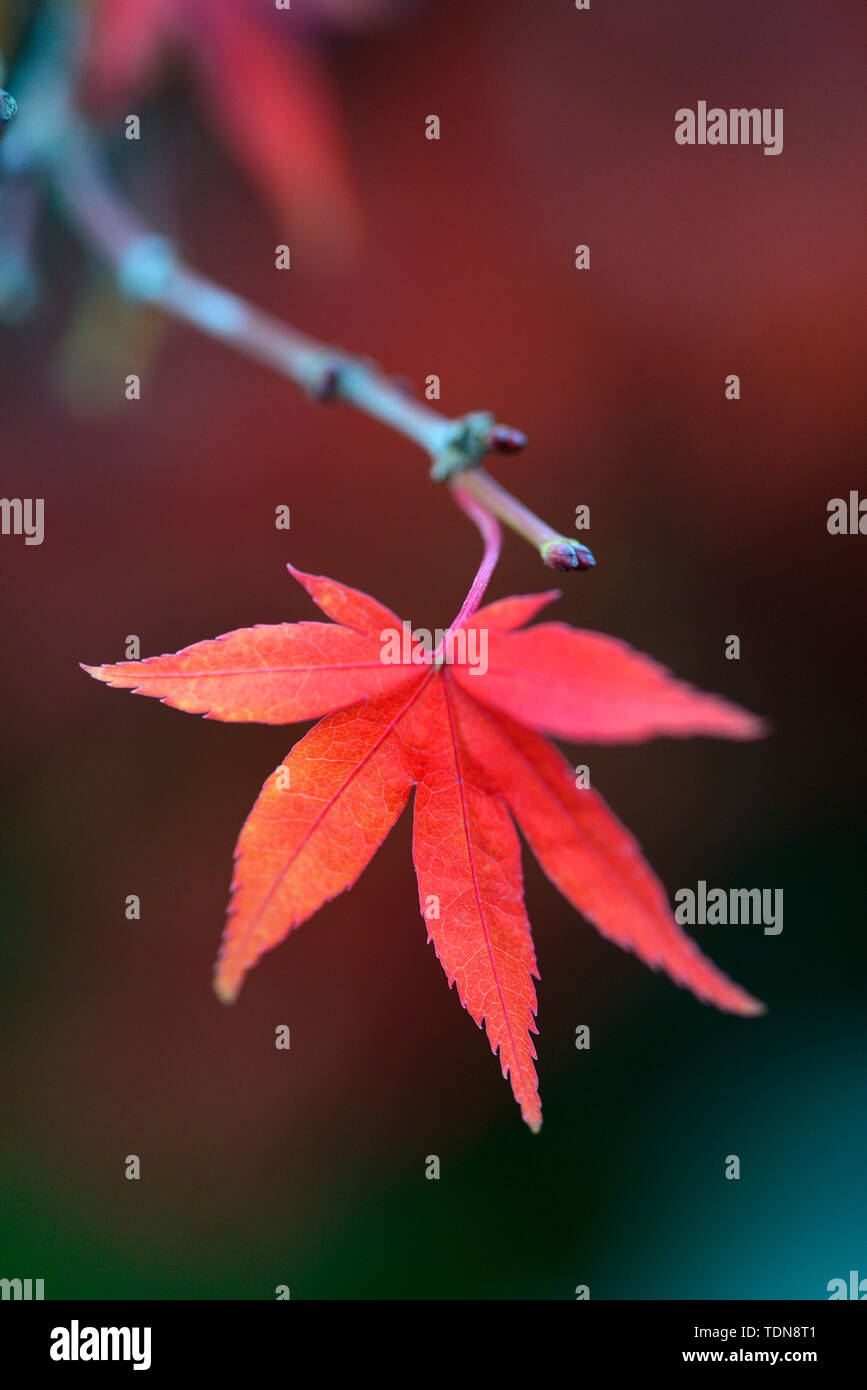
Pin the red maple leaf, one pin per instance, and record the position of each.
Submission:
(467, 741)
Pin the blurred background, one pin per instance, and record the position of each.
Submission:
(708, 518)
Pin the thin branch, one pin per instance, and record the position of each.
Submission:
(557, 551)
(148, 269)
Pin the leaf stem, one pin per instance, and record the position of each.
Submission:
(492, 536)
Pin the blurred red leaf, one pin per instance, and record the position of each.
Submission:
(464, 739)
(124, 42)
(264, 93)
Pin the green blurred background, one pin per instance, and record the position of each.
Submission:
(307, 1168)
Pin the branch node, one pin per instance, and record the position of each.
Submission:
(321, 377)
(465, 445)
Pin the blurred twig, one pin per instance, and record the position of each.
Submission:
(50, 138)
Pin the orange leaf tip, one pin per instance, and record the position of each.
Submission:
(227, 994)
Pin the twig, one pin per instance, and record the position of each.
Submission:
(148, 268)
